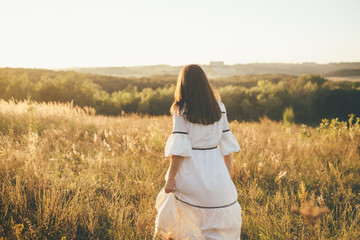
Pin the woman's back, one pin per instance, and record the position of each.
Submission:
(203, 179)
(204, 136)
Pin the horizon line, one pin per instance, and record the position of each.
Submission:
(170, 65)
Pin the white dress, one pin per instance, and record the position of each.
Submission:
(204, 204)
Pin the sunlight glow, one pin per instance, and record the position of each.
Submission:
(56, 34)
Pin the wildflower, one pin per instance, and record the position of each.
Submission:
(310, 212)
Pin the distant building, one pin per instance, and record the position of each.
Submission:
(217, 64)
(309, 63)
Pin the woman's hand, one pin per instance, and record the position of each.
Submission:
(169, 186)
(173, 169)
(227, 160)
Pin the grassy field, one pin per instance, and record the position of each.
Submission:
(68, 174)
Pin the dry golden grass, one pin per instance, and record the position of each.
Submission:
(68, 174)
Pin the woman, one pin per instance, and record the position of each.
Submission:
(199, 199)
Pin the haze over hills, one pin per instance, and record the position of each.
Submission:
(219, 69)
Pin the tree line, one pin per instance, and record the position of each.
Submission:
(247, 98)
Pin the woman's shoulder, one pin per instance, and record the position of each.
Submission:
(178, 112)
(222, 106)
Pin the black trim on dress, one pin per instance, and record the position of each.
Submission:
(180, 132)
(227, 130)
(186, 112)
(210, 148)
(228, 205)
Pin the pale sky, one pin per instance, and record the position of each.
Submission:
(80, 33)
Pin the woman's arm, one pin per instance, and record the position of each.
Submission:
(174, 168)
(227, 160)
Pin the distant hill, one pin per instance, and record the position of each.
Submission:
(344, 73)
(219, 71)
(349, 75)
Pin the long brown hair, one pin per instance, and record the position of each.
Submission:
(196, 97)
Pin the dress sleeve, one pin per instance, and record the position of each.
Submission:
(228, 143)
(178, 143)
